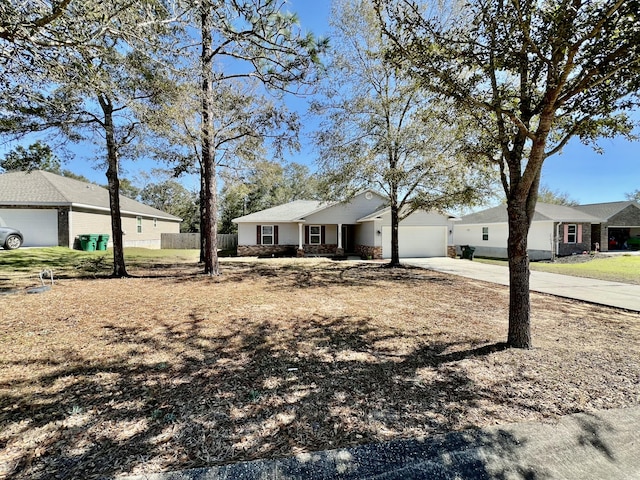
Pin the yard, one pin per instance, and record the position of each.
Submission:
(172, 369)
(618, 268)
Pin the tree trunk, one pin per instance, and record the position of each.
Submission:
(395, 248)
(209, 207)
(119, 266)
(519, 302)
(203, 206)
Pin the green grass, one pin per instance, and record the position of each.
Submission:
(67, 262)
(621, 268)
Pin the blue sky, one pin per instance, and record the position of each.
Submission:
(586, 176)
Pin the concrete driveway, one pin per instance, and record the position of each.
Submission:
(613, 294)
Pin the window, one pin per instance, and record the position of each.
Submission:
(267, 235)
(572, 233)
(315, 235)
(139, 224)
(485, 233)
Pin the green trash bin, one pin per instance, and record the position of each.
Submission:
(88, 242)
(103, 240)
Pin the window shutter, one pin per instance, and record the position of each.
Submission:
(322, 234)
(566, 233)
(259, 235)
(579, 233)
(306, 234)
(275, 234)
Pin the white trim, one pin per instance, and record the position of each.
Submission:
(272, 235)
(300, 236)
(575, 234)
(319, 234)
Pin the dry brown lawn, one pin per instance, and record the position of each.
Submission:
(174, 370)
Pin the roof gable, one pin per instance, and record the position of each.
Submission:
(607, 210)
(300, 210)
(41, 188)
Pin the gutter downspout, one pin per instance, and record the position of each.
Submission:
(557, 241)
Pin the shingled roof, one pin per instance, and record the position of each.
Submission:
(606, 210)
(39, 188)
(544, 212)
(289, 212)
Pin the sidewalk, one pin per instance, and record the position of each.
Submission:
(613, 294)
(604, 445)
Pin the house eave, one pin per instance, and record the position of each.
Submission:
(87, 207)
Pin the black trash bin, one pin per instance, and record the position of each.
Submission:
(467, 252)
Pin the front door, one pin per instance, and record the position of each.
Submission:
(348, 238)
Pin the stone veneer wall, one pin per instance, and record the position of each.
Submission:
(366, 251)
(262, 250)
(571, 248)
(451, 251)
(325, 249)
(288, 250)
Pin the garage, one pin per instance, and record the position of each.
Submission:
(624, 238)
(416, 241)
(39, 227)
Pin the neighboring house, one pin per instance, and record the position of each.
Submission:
(555, 230)
(621, 222)
(361, 226)
(51, 210)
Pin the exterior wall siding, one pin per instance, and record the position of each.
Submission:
(539, 240)
(84, 222)
(347, 213)
(366, 235)
(540, 246)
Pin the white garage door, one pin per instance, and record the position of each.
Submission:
(39, 227)
(416, 241)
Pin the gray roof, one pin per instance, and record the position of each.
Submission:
(385, 210)
(544, 212)
(38, 188)
(289, 212)
(606, 210)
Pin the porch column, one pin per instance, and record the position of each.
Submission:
(339, 250)
(300, 252)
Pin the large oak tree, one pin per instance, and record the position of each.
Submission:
(534, 74)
